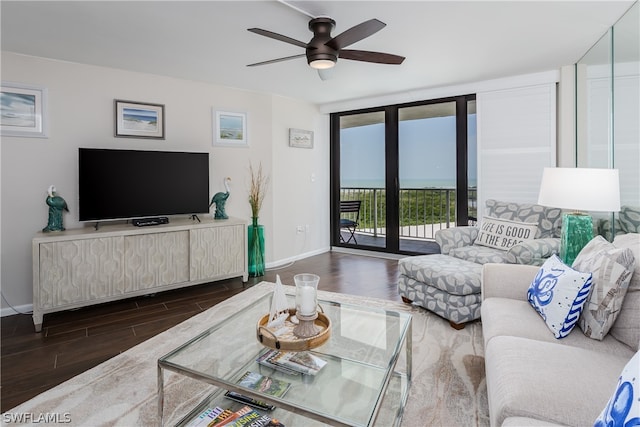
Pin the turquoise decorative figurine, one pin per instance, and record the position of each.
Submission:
(220, 199)
(56, 205)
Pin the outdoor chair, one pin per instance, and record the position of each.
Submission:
(349, 217)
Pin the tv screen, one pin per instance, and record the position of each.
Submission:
(126, 184)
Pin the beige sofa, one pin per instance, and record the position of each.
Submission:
(534, 379)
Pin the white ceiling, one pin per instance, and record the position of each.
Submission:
(445, 42)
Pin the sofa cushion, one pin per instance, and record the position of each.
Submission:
(623, 408)
(630, 219)
(627, 325)
(558, 293)
(611, 269)
(549, 220)
(504, 233)
(510, 317)
(554, 383)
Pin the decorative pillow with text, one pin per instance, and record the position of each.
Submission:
(503, 234)
(558, 293)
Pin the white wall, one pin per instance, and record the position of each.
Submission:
(80, 111)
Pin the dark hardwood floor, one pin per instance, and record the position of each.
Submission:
(74, 341)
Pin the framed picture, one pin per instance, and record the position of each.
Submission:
(139, 120)
(300, 138)
(230, 129)
(23, 110)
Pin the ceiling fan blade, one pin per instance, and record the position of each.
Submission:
(277, 36)
(355, 34)
(366, 56)
(273, 61)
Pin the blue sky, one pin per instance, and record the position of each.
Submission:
(427, 152)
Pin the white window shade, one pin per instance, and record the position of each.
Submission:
(516, 141)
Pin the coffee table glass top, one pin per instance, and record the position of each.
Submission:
(362, 358)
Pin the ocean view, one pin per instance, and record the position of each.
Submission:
(404, 183)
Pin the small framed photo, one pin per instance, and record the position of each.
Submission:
(139, 120)
(300, 138)
(230, 129)
(23, 110)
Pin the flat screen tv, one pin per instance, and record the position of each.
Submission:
(131, 184)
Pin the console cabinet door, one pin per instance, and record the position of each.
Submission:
(79, 270)
(217, 251)
(156, 259)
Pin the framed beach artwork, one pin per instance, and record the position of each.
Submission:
(139, 120)
(300, 138)
(230, 129)
(23, 110)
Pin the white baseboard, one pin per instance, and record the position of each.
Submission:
(363, 252)
(21, 309)
(287, 261)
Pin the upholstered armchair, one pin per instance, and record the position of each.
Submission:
(461, 242)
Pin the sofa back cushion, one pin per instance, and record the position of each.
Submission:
(549, 220)
(627, 326)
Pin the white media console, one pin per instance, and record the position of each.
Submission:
(81, 267)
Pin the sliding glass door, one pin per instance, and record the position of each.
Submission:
(411, 166)
(362, 177)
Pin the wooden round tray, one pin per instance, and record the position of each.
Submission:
(288, 341)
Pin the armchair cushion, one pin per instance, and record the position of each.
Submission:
(549, 220)
(456, 237)
(479, 254)
(630, 219)
(533, 252)
(459, 241)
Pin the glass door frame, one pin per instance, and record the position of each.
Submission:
(392, 169)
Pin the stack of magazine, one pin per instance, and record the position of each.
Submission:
(293, 363)
(246, 416)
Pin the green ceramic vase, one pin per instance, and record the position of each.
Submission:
(256, 249)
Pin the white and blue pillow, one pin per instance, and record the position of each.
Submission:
(623, 409)
(558, 294)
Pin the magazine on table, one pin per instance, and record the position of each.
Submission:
(264, 384)
(302, 361)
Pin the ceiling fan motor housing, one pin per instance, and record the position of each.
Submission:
(317, 49)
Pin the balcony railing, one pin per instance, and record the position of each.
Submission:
(423, 211)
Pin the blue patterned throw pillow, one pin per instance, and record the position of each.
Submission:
(558, 294)
(623, 409)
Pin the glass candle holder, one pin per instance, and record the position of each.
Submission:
(306, 294)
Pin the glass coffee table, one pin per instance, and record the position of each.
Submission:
(365, 382)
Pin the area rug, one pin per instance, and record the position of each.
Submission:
(448, 386)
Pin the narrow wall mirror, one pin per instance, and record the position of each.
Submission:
(608, 106)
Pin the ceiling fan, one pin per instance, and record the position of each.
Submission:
(323, 51)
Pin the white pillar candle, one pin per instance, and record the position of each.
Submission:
(306, 293)
(307, 300)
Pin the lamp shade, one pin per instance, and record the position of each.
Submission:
(580, 189)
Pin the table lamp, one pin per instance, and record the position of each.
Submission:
(579, 190)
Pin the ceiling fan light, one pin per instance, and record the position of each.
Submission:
(322, 64)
